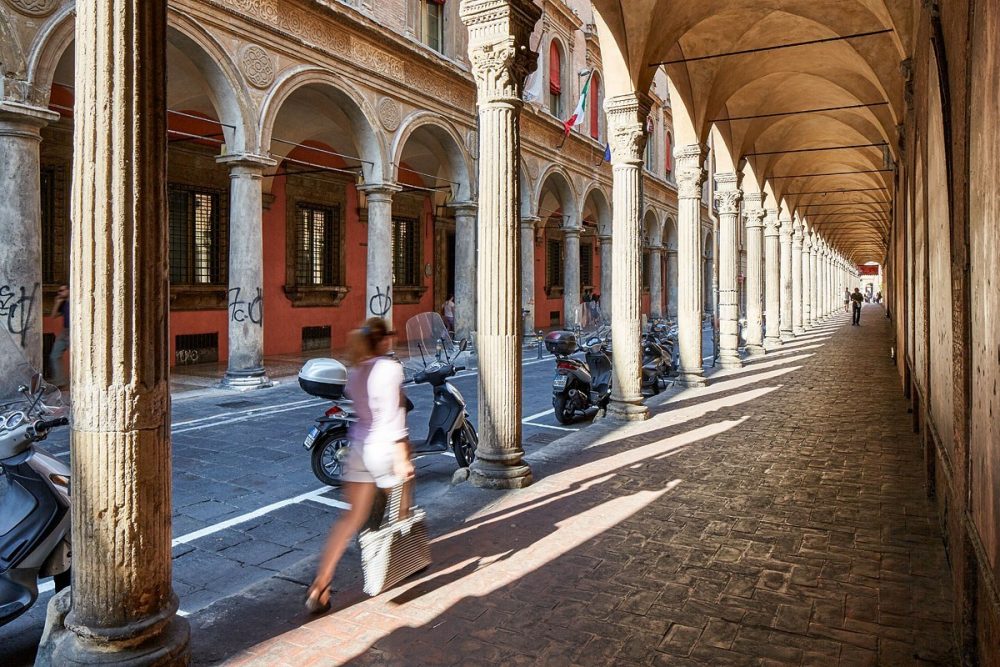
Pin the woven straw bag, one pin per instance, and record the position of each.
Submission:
(395, 550)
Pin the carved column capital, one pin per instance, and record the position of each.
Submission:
(728, 194)
(626, 116)
(498, 47)
(796, 230)
(689, 171)
(785, 221)
(465, 208)
(772, 226)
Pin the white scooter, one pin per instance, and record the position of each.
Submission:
(34, 489)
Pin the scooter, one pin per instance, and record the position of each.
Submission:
(449, 427)
(34, 509)
(656, 364)
(579, 384)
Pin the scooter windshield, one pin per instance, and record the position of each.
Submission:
(22, 387)
(429, 341)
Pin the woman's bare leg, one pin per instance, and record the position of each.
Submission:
(360, 496)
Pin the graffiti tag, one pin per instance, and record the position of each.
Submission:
(16, 306)
(381, 303)
(241, 310)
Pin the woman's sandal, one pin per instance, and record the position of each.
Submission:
(318, 599)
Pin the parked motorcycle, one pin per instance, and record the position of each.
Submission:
(433, 359)
(579, 384)
(35, 505)
(656, 364)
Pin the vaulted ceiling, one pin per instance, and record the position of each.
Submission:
(816, 122)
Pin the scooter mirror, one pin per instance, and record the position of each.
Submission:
(464, 346)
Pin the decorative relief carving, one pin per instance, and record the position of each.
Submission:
(34, 7)
(372, 57)
(689, 171)
(728, 201)
(257, 66)
(626, 129)
(472, 143)
(286, 17)
(500, 69)
(389, 113)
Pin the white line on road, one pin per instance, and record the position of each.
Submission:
(323, 500)
(554, 428)
(540, 414)
(272, 411)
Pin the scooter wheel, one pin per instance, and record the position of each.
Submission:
(327, 456)
(464, 444)
(564, 411)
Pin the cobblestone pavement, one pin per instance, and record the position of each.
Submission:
(777, 516)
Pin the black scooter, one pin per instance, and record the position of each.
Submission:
(656, 364)
(579, 384)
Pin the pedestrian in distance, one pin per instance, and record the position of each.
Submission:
(60, 308)
(857, 299)
(847, 298)
(379, 456)
(448, 313)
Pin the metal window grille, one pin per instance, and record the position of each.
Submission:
(315, 338)
(586, 264)
(199, 242)
(554, 263)
(318, 245)
(55, 251)
(196, 348)
(405, 251)
(645, 269)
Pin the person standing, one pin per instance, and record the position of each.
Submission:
(857, 298)
(60, 309)
(379, 456)
(448, 313)
(847, 298)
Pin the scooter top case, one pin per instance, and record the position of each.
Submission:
(325, 378)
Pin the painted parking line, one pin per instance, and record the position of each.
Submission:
(529, 421)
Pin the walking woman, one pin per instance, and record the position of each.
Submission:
(379, 457)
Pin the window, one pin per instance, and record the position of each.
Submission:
(405, 252)
(554, 263)
(596, 102)
(669, 154)
(55, 250)
(586, 264)
(650, 145)
(555, 79)
(430, 29)
(645, 270)
(198, 236)
(318, 244)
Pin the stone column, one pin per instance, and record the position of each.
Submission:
(727, 196)
(21, 229)
(753, 211)
(627, 135)
(806, 279)
(501, 60)
(465, 268)
(245, 298)
(690, 276)
(378, 291)
(607, 271)
(772, 281)
(656, 281)
(671, 290)
(121, 608)
(528, 227)
(571, 274)
(786, 277)
(816, 314)
(797, 277)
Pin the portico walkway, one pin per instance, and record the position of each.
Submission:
(777, 516)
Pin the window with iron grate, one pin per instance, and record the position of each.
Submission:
(645, 270)
(554, 263)
(198, 235)
(406, 252)
(586, 264)
(55, 228)
(318, 245)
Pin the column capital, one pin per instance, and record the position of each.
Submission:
(572, 230)
(754, 200)
(604, 238)
(626, 116)
(785, 220)
(807, 240)
(797, 230)
(656, 249)
(772, 226)
(380, 192)
(247, 161)
(25, 115)
(755, 217)
(728, 193)
(499, 48)
(689, 171)
(465, 208)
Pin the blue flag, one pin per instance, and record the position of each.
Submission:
(607, 152)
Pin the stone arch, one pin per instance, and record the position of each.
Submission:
(670, 231)
(51, 41)
(528, 202)
(563, 185)
(595, 194)
(651, 228)
(362, 118)
(449, 150)
(12, 61)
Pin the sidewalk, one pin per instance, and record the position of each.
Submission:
(749, 522)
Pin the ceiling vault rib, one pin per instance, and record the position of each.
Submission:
(832, 173)
(801, 111)
(845, 203)
(814, 150)
(760, 49)
(833, 192)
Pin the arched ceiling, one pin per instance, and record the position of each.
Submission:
(851, 90)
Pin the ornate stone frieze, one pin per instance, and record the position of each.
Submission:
(389, 113)
(689, 170)
(257, 66)
(283, 15)
(367, 54)
(34, 7)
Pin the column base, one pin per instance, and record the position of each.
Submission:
(692, 378)
(626, 411)
(787, 337)
(730, 361)
(754, 351)
(61, 646)
(798, 331)
(497, 476)
(772, 344)
(246, 380)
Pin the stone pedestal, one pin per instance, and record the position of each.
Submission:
(727, 197)
(465, 268)
(797, 277)
(753, 212)
(772, 280)
(626, 131)
(123, 609)
(786, 277)
(607, 271)
(21, 229)
(378, 291)
(690, 276)
(571, 275)
(245, 298)
(528, 226)
(656, 281)
(501, 60)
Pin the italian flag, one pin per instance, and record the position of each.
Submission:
(576, 120)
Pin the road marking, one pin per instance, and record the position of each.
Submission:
(323, 500)
(554, 428)
(260, 408)
(234, 420)
(540, 414)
